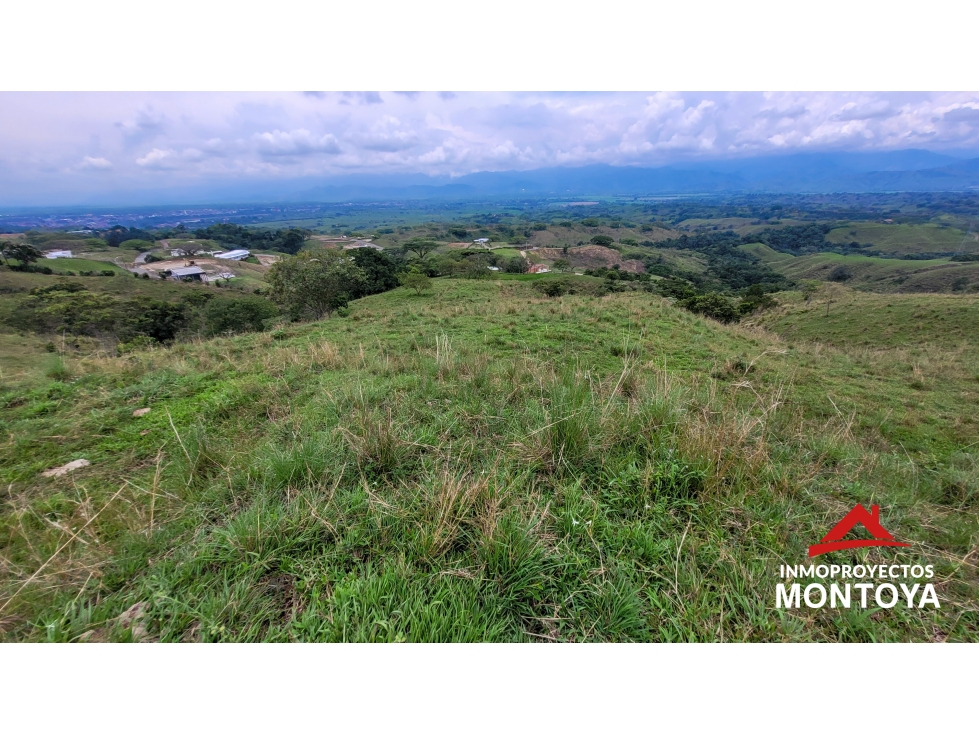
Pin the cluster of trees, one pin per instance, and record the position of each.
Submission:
(417, 254)
(317, 284)
(513, 232)
(309, 285)
(794, 240)
(321, 283)
(717, 306)
(236, 315)
(518, 230)
(839, 274)
(615, 273)
(728, 268)
(68, 307)
(25, 254)
(288, 240)
(115, 236)
(587, 286)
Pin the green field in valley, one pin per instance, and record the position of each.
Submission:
(79, 264)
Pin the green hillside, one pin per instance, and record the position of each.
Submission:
(874, 273)
(28, 353)
(78, 264)
(482, 463)
(766, 254)
(902, 239)
(848, 318)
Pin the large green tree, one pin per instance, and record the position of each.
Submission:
(421, 246)
(314, 284)
(20, 251)
(380, 271)
(417, 280)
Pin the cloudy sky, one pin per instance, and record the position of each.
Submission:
(68, 147)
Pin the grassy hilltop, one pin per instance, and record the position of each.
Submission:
(483, 463)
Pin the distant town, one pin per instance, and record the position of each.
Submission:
(78, 221)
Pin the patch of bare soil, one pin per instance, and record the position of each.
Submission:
(593, 256)
(331, 241)
(183, 263)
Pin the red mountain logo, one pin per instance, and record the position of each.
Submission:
(858, 515)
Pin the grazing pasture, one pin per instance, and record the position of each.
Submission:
(904, 239)
(482, 463)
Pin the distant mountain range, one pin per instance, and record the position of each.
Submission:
(819, 173)
(906, 170)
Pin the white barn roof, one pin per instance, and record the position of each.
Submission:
(233, 255)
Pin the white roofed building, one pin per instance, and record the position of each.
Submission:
(233, 255)
(190, 273)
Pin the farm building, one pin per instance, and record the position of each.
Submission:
(233, 255)
(539, 269)
(190, 273)
(481, 240)
(55, 254)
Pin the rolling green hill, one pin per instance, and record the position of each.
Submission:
(26, 354)
(901, 239)
(766, 254)
(874, 273)
(846, 317)
(482, 463)
(741, 225)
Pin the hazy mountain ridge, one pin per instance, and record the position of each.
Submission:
(909, 170)
(820, 173)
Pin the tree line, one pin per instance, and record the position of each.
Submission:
(69, 307)
(289, 241)
(729, 269)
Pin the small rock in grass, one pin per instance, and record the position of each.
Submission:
(140, 412)
(62, 470)
(131, 619)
